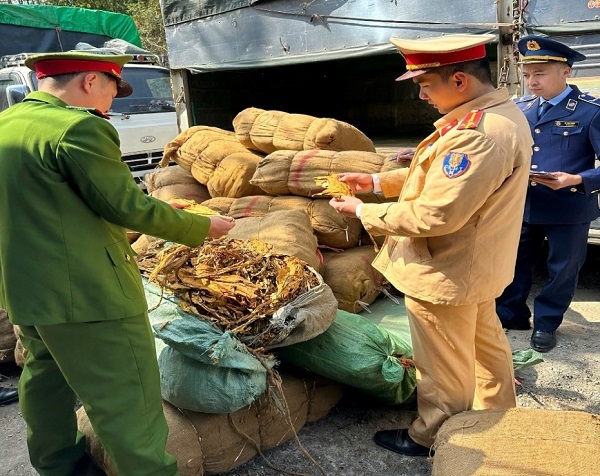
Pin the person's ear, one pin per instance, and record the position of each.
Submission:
(89, 80)
(460, 80)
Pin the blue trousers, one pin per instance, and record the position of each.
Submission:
(567, 248)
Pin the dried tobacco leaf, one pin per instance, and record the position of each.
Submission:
(235, 284)
(333, 187)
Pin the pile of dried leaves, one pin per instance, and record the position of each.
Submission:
(235, 284)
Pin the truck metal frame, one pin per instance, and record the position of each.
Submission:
(333, 58)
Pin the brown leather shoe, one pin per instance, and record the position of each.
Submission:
(8, 395)
(400, 442)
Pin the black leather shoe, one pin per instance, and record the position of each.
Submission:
(516, 325)
(400, 442)
(543, 341)
(8, 395)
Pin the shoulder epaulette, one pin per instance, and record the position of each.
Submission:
(531, 97)
(471, 120)
(589, 99)
(91, 110)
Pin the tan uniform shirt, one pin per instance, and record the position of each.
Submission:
(454, 232)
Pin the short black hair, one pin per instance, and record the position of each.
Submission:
(62, 79)
(480, 69)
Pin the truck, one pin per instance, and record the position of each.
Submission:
(334, 59)
(146, 120)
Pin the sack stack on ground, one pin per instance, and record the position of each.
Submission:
(206, 444)
(249, 186)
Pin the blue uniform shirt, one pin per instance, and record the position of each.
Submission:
(566, 139)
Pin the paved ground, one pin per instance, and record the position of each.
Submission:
(569, 379)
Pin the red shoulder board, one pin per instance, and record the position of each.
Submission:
(99, 113)
(471, 120)
(445, 129)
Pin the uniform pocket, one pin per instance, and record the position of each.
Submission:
(125, 268)
(562, 137)
(416, 250)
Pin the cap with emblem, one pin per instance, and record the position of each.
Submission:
(428, 53)
(538, 49)
(76, 61)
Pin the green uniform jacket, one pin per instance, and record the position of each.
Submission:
(66, 200)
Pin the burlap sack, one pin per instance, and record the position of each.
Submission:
(261, 205)
(222, 205)
(190, 191)
(175, 182)
(272, 130)
(20, 351)
(185, 148)
(518, 442)
(352, 278)
(331, 228)
(263, 129)
(175, 174)
(211, 156)
(214, 444)
(288, 172)
(231, 178)
(242, 125)
(140, 246)
(8, 340)
(132, 236)
(288, 231)
(330, 134)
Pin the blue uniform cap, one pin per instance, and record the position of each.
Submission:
(539, 49)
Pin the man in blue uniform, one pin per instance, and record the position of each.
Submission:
(565, 124)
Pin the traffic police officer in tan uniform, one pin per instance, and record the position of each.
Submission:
(565, 124)
(68, 276)
(451, 239)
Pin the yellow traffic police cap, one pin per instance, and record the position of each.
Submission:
(427, 53)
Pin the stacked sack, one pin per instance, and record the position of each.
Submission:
(272, 197)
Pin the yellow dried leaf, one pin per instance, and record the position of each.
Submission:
(333, 187)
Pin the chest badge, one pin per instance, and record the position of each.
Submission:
(455, 164)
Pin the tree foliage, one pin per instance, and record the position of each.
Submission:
(145, 13)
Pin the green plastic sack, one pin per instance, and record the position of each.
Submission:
(391, 316)
(358, 353)
(202, 369)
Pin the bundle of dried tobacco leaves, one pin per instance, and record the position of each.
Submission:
(235, 284)
(333, 186)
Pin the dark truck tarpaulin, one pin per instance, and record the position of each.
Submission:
(21, 27)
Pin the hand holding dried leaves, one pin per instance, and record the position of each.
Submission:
(235, 284)
(333, 186)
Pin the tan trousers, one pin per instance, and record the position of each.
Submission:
(463, 362)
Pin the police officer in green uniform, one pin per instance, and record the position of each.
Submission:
(68, 276)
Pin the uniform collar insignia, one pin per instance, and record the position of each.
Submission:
(571, 105)
(446, 128)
